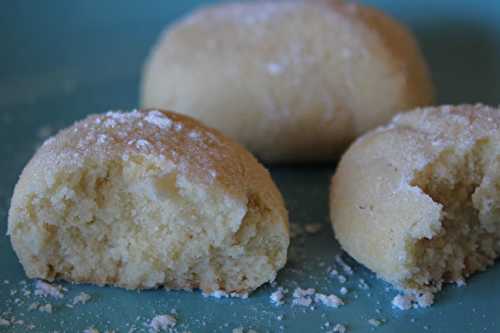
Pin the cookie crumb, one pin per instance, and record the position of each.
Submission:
(425, 300)
(408, 301)
(402, 302)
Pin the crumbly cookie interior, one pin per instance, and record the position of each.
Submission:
(466, 183)
(128, 223)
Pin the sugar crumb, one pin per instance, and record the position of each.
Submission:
(408, 301)
(110, 123)
(302, 301)
(299, 292)
(162, 323)
(303, 297)
(45, 289)
(331, 300)
(425, 300)
(339, 328)
(278, 296)
(403, 302)
(222, 294)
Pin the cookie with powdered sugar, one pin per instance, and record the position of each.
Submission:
(145, 199)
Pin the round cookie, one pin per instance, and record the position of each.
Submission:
(417, 201)
(145, 199)
(290, 80)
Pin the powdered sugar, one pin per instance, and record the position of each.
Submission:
(102, 139)
(159, 119)
(110, 123)
(142, 144)
(299, 292)
(241, 13)
(194, 135)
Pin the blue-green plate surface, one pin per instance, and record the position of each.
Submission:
(61, 60)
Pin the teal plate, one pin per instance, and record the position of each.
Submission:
(61, 60)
